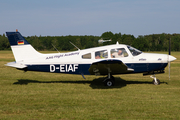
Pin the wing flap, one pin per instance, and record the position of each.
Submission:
(109, 66)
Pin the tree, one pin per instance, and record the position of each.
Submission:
(107, 35)
(154, 42)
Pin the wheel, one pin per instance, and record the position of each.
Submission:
(156, 83)
(109, 82)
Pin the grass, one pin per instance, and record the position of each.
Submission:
(41, 96)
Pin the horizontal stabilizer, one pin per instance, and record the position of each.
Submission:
(16, 65)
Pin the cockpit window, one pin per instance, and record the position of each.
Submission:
(134, 51)
(118, 53)
(101, 54)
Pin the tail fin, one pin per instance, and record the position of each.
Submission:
(22, 50)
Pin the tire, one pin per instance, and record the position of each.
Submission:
(109, 82)
(158, 82)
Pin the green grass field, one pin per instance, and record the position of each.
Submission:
(41, 96)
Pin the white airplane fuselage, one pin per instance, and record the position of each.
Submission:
(74, 63)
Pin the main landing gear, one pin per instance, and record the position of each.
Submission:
(109, 80)
(155, 80)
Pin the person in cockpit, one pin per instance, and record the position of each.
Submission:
(118, 54)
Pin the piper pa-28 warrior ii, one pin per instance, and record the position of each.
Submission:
(105, 60)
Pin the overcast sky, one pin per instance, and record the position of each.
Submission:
(89, 17)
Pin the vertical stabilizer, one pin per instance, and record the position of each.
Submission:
(22, 50)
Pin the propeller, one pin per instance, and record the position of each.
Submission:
(168, 58)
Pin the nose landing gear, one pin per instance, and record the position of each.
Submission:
(155, 80)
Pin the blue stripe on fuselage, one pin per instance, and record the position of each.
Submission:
(62, 68)
(146, 67)
(83, 68)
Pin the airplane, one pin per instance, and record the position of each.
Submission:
(105, 60)
(102, 41)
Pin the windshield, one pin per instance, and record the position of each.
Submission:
(134, 51)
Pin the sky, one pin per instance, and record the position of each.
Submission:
(89, 17)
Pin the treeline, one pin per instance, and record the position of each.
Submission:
(154, 42)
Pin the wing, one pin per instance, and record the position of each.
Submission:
(109, 66)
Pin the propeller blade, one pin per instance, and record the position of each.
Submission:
(169, 59)
(169, 69)
(170, 46)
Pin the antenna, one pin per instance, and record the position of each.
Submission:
(74, 45)
(55, 48)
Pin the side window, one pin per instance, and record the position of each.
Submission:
(86, 56)
(118, 53)
(101, 54)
